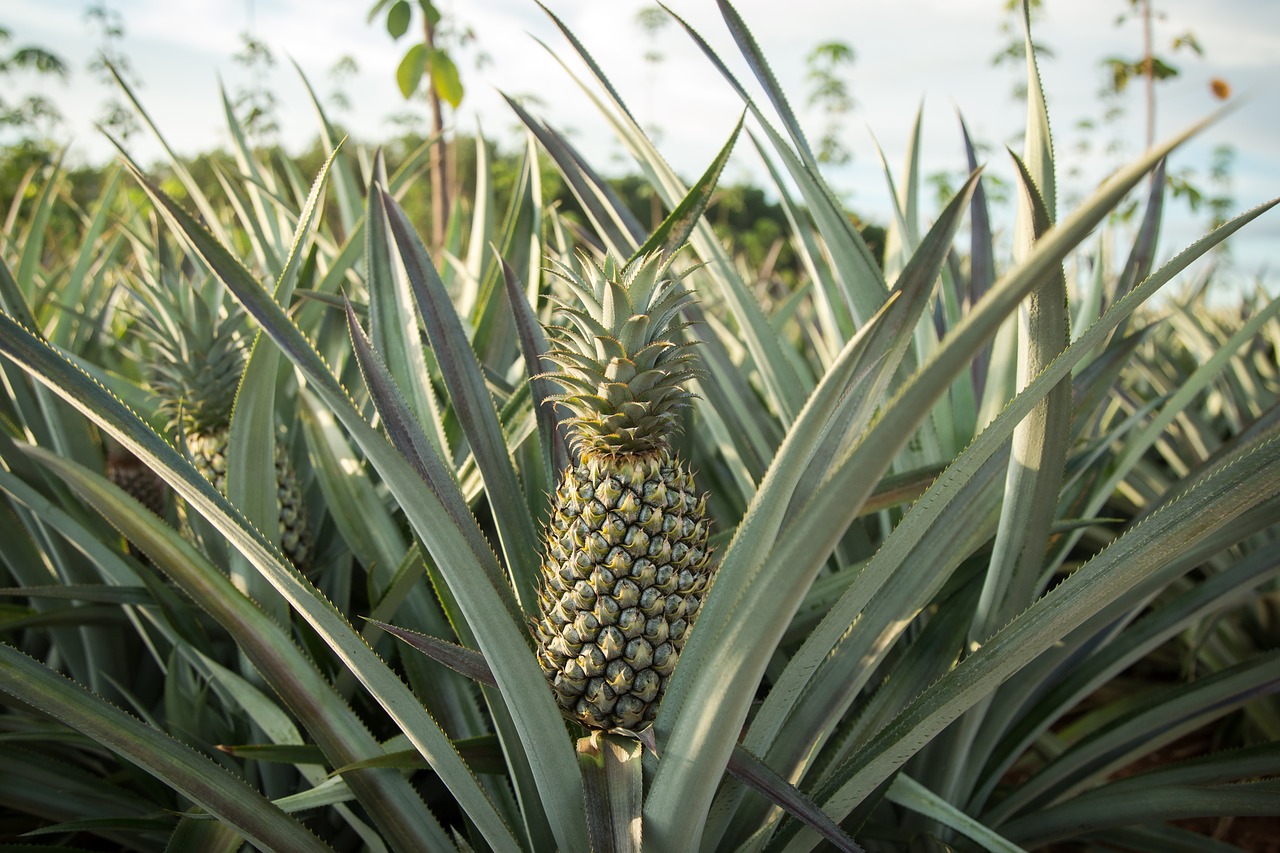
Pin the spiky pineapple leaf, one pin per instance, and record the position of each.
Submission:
(518, 241)
(32, 252)
(1136, 728)
(252, 196)
(838, 409)
(68, 329)
(742, 764)
(533, 343)
(301, 753)
(902, 234)
(194, 775)
(910, 794)
(408, 437)
(208, 213)
(393, 320)
(38, 412)
(1193, 385)
(1166, 621)
(906, 567)
(483, 752)
(1037, 151)
(474, 407)
(679, 224)
(613, 222)
(759, 65)
(1040, 445)
(205, 835)
(104, 826)
(750, 770)
(1182, 789)
(471, 301)
(96, 593)
(914, 286)
(346, 187)
(310, 696)
(252, 484)
(833, 312)
(1210, 505)
(460, 659)
(857, 273)
(738, 582)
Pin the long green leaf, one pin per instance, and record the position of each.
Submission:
(273, 654)
(613, 221)
(671, 813)
(1224, 589)
(1032, 480)
(194, 775)
(91, 252)
(533, 343)
(346, 186)
(910, 794)
(1211, 505)
(1157, 803)
(474, 407)
(393, 320)
(781, 387)
(679, 224)
(1148, 723)
(1039, 452)
(206, 209)
(32, 252)
(898, 559)
(856, 268)
(251, 446)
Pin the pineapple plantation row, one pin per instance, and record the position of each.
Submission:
(559, 537)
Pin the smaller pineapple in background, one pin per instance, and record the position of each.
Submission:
(133, 476)
(626, 565)
(194, 359)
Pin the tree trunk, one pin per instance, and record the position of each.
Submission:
(439, 162)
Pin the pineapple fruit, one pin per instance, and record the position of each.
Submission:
(195, 356)
(133, 476)
(626, 565)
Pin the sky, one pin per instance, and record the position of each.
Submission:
(933, 56)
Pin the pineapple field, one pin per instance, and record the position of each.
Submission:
(333, 520)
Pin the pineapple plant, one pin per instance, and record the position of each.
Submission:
(194, 356)
(626, 563)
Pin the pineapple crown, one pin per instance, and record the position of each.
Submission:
(194, 352)
(621, 369)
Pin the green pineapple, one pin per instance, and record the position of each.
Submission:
(131, 474)
(195, 358)
(626, 565)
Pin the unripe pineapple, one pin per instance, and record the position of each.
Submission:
(131, 474)
(626, 565)
(195, 357)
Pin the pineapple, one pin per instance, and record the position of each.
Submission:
(626, 566)
(195, 357)
(133, 476)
